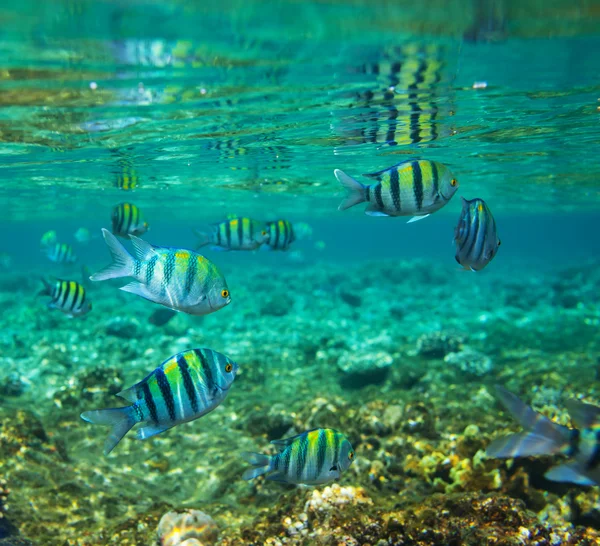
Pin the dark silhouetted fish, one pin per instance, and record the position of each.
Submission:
(160, 317)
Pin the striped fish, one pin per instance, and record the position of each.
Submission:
(475, 235)
(67, 296)
(412, 188)
(127, 220)
(314, 457)
(126, 176)
(281, 234)
(235, 234)
(176, 278)
(184, 387)
(544, 437)
(61, 253)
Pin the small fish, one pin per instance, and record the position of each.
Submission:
(314, 457)
(475, 235)
(184, 387)
(415, 188)
(48, 239)
(127, 220)
(83, 236)
(281, 235)
(61, 253)
(67, 296)
(235, 234)
(543, 437)
(176, 278)
(160, 317)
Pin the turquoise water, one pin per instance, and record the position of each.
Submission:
(196, 113)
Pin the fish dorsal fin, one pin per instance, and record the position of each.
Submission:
(143, 250)
(377, 175)
(583, 415)
(284, 442)
(129, 394)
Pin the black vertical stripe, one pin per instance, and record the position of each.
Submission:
(286, 234)
(188, 382)
(228, 234)
(336, 449)
(76, 295)
(321, 451)
(150, 402)
(169, 267)
(436, 178)
(190, 273)
(150, 268)
(206, 369)
(276, 245)
(368, 193)
(66, 294)
(395, 188)
(302, 456)
(240, 232)
(166, 392)
(378, 196)
(417, 184)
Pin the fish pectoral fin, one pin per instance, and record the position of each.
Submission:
(571, 473)
(374, 212)
(150, 430)
(417, 218)
(139, 289)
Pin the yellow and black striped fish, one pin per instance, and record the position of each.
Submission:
(235, 234)
(281, 234)
(311, 458)
(127, 220)
(61, 253)
(184, 387)
(67, 296)
(126, 176)
(412, 188)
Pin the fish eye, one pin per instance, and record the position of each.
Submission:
(228, 367)
(351, 455)
(263, 233)
(224, 293)
(453, 182)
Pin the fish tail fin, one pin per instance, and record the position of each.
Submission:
(122, 264)
(203, 238)
(47, 289)
(261, 464)
(120, 419)
(542, 436)
(356, 190)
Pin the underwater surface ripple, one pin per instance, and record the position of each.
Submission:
(348, 381)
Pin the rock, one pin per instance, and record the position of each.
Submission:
(277, 306)
(188, 528)
(439, 344)
(470, 362)
(350, 298)
(126, 328)
(364, 368)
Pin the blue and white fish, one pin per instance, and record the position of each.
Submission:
(174, 277)
(184, 387)
(544, 437)
(67, 296)
(475, 235)
(314, 457)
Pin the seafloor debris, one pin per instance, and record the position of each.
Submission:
(189, 528)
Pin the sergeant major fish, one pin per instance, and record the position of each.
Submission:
(475, 235)
(544, 437)
(176, 278)
(48, 239)
(235, 234)
(61, 253)
(127, 220)
(280, 235)
(184, 387)
(314, 457)
(67, 296)
(415, 188)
